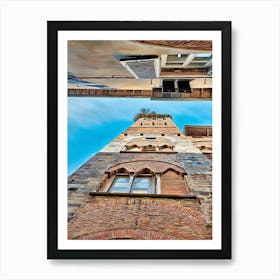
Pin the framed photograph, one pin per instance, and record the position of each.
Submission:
(139, 140)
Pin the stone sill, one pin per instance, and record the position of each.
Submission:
(147, 152)
(190, 196)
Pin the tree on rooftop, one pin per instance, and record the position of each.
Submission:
(143, 111)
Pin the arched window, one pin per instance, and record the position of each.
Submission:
(120, 184)
(149, 144)
(149, 148)
(146, 177)
(142, 184)
(133, 148)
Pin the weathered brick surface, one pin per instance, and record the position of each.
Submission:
(173, 183)
(92, 175)
(109, 92)
(95, 168)
(111, 217)
(150, 126)
(195, 163)
(203, 94)
(206, 93)
(152, 130)
(155, 167)
(196, 92)
(194, 131)
(201, 186)
(186, 171)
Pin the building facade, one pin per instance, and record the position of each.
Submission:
(155, 69)
(151, 182)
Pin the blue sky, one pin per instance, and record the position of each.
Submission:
(94, 122)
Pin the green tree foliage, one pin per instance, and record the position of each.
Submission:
(143, 111)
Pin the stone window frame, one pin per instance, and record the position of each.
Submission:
(155, 182)
(187, 60)
(140, 168)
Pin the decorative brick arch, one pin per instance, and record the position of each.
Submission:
(129, 233)
(132, 146)
(144, 170)
(155, 166)
(121, 169)
(139, 217)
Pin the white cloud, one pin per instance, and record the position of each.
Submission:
(88, 111)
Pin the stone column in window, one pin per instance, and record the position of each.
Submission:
(158, 190)
(131, 178)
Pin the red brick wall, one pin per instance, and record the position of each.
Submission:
(172, 183)
(128, 217)
(108, 92)
(196, 93)
(202, 93)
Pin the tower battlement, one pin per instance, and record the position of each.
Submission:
(154, 116)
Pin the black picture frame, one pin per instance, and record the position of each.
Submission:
(52, 87)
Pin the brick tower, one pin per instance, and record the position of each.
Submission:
(151, 182)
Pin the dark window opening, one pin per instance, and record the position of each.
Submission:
(135, 57)
(184, 86)
(168, 86)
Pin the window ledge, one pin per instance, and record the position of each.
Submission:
(146, 152)
(188, 196)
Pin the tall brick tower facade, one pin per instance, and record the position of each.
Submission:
(151, 182)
